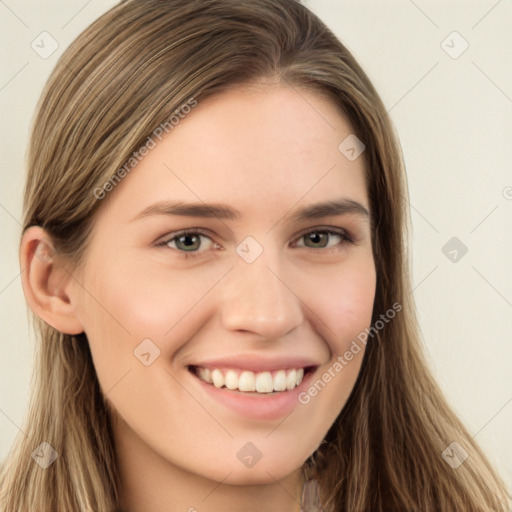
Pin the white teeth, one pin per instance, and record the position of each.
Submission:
(291, 379)
(205, 375)
(280, 381)
(264, 382)
(231, 379)
(247, 381)
(218, 378)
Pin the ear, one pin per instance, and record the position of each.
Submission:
(46, 283)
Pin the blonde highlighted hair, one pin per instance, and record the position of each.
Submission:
(121, 78)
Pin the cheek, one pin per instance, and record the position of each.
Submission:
(344, 306)
(126, 301)
(341, 299)
(148, 300)
(352, 307)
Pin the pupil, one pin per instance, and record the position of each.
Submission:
(188, 240)
(316, 238)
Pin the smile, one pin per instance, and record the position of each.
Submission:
(248, 381)
(255, 388)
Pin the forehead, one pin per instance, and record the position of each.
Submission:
(256, 149)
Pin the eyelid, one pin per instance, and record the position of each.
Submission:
(169, 237)
(163, 241)
(326, 229)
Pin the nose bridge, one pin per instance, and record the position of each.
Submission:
(258, 299)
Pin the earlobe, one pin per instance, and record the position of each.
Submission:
(46, 283)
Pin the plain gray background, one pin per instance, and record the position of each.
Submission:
(452, 109)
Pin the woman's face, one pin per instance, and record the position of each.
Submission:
(277, 278)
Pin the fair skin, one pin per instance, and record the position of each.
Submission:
(266, 153)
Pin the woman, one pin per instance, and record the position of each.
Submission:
(214, 251)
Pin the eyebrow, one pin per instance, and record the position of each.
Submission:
(331, 208)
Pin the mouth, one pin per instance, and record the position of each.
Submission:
(252, 383)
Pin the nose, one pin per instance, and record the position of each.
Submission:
(258, 299)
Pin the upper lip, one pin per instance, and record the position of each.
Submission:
(257, 363)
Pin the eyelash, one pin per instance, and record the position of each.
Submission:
(345, 238)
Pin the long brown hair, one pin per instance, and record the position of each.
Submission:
(121, 78)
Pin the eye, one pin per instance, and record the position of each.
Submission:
(189, 241)
(192, 242)
(324, 239)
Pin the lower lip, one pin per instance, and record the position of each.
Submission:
(262, 406)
